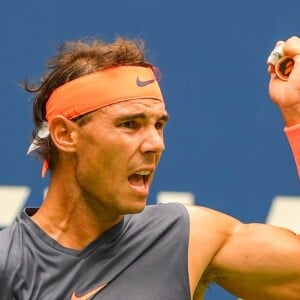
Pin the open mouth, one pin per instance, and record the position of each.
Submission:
(140, 178)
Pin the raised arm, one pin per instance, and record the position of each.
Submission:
(252, 261)
(261, 261)
(286, 95)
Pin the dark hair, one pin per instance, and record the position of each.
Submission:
(75, 59)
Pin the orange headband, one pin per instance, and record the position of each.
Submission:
(102, 88)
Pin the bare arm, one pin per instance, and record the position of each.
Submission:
(252, 261)
(286, 94)
(260, 262)
(268, 257)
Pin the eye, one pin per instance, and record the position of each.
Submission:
(160, 125)
(129, 124)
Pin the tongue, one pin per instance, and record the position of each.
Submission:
(136, 180)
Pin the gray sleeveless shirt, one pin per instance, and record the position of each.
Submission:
(144, 257)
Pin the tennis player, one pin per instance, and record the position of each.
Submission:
(99, 119)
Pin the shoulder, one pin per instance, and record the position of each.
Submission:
(172, 209)
(162, 220)
(205, 218)
(164, 214)
(209, 232)
(208, 225)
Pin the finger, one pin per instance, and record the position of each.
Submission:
(276, 54)
(284, 67)
(279, 43)
(292, 47)
(271, 69)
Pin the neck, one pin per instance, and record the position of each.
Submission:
(69, 218)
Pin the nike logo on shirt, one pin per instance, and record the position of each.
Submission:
(88, 295)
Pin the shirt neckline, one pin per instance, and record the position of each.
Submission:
(100, 242)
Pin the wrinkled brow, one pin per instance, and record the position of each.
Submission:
(163, 117)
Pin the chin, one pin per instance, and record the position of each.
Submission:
(134, 208)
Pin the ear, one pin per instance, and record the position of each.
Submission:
(64, 134)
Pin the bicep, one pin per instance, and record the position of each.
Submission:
(258, 258)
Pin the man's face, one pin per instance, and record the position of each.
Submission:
(118, 152)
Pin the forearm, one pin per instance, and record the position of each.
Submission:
(285, 92)
(293, 136)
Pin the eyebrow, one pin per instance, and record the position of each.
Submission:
(164, 117)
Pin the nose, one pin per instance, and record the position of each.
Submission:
(153, 141)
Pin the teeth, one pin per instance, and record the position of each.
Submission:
(143, 173)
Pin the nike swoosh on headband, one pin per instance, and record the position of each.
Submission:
(88, 295)
(142, 83)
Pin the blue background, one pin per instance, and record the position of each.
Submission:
(225, 141)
